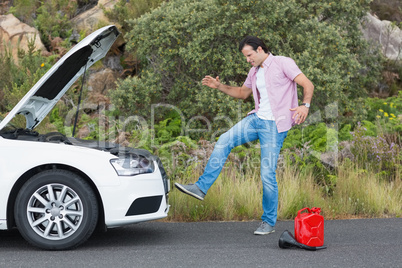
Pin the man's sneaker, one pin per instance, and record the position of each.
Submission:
(191, 189)
(264, 229)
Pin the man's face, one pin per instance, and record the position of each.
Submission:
(256, 58)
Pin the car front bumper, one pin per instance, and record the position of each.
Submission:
(136, 199)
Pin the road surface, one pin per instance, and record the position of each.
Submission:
(351, 243)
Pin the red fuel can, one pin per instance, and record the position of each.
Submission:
(309, 227)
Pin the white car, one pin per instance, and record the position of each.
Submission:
(57, 190)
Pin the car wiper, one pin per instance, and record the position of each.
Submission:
(14, 134)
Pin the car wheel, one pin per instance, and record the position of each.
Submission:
(56, 210)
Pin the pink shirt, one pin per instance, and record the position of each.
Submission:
(282, 90)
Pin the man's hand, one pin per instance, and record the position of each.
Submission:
(236, 92)
(211, 82)
(300, 114)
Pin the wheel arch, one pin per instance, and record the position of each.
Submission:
(33, 171)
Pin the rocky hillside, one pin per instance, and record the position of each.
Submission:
(85, 16)
(390, 10)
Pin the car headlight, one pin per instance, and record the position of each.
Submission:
(132, 164)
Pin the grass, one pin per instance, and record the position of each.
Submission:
(232, 197)
(297, 190)
(357, 193)
(364, 194)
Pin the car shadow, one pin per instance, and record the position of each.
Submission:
(12, 239)
(130, 236)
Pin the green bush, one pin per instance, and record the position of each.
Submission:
(50, 17)
(344, 133)
(319, 137)
(53, 19)
(375, 152)
(24, 9)
(124, 10)
(9, 74)
(17, 78)
(386, 114)
(181, 41)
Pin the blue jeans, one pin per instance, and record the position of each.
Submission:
(249, 129)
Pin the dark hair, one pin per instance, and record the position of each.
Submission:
(254, 42)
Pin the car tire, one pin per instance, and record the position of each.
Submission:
(56, 210)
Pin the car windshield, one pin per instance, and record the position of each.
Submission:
(9, 127)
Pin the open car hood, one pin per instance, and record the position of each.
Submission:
(44, 95)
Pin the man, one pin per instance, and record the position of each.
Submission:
(272, 80)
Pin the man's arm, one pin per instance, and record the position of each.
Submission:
(308, 89)
(236, 92)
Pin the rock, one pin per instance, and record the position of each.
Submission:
(102, 81)
(346, 150)
(386, 35)
(331, 159)
(94, 18)
(84, 5)
(14, 34)
(99, 83)
(123, 139)
(83, 132)
(113, 62)
(90, 19)
(4, 6)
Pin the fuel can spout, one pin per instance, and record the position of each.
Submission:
(287, 240)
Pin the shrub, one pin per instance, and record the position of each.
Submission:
(53, 19)
(17, 78)
(24, 9)
(9, 73)
(178, 48)
(124, 10)
(387, 112)
(376, 152)
(50, 17)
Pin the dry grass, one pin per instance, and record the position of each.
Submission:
(363, 194)
(297, 191)
(234, 196)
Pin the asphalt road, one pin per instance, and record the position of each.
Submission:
(351, 243)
